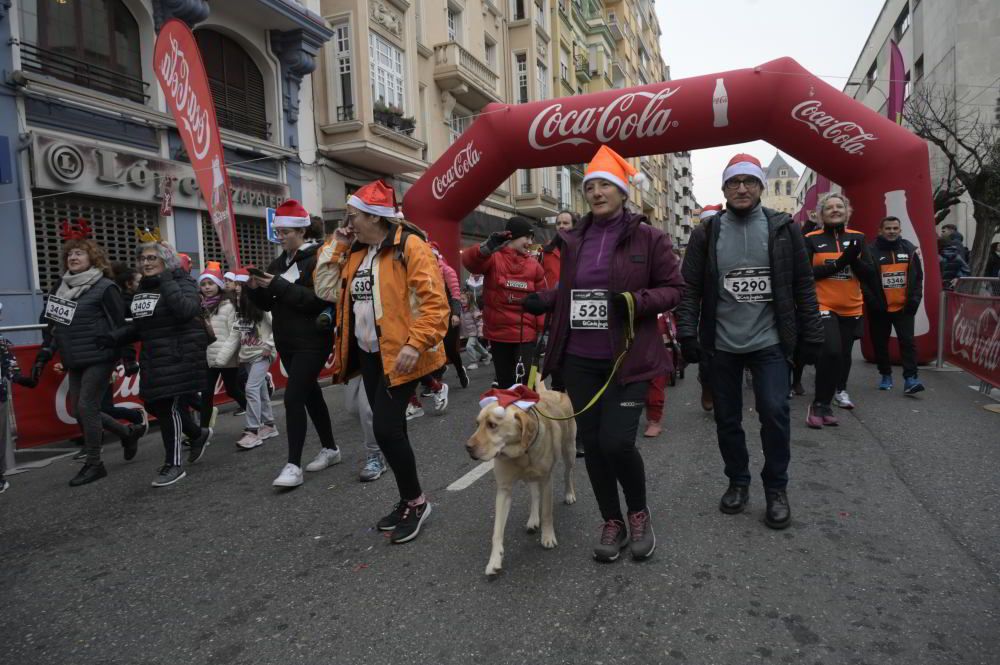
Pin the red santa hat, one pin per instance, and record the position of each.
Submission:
(375, 198)
(609, 165)
(744, 164)
(709, 211)
(213, 272)
(291, 215)
(240, 275)
(517, 395)
(185, 261)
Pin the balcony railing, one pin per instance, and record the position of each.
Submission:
(345, 113)
(80, 72)
(473, 81)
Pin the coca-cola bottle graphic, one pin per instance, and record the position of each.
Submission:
(720, 104)
(895, 206)
(220, 198)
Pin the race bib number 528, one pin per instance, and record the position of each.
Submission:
(588, 309)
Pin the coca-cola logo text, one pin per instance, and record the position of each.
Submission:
(175, 71)
(848, 136)
(625, 117)
(466, 158)
(977, 338)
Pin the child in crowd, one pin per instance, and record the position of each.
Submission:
(220, 311)
(472, 331)
(256, 355)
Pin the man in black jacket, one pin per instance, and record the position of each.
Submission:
(750, 302)
(894, 303)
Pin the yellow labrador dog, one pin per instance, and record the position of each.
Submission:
(525, 446)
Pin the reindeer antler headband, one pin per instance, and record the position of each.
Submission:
(78, 230)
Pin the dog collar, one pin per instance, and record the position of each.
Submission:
(538, 430)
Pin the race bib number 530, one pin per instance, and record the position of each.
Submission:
(588, 309)
(749, 284)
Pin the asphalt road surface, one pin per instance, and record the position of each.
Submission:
(892, 558)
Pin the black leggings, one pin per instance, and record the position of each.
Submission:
(134, 416)
(303, 394)
(607, 432)
(389, 423)
(231, 380)
(834, 366)
(452, 350)
(174, 418)
(505, 355)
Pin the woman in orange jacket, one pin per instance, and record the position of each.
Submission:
(392, 316)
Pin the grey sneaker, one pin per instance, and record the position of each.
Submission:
(373, 469)
(641, 538)
(614, 538)
(169, 475)
(199, 445)
(410, 523)
(324, 458)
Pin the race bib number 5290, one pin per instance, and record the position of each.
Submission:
(749, 284)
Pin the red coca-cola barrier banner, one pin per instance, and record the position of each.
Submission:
(972, 339)
(181, 73)
(882, 167)
(42, 413)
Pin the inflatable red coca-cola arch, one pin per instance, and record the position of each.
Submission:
(881, 166)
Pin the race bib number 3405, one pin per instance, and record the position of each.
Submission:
(144, 304)
(60, 310)
(588, 309)
(749, 284)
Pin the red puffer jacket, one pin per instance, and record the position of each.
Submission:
(509, 278)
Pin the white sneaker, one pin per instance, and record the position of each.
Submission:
(440, 400)
(843, 400)
(250, 440)
(413, 411)
(324, 458)
(291, 476)
(472, 366)
(267, 432)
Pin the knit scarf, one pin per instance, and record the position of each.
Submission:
(74, 285)
(209, 304)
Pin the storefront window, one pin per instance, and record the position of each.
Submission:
(93, 43)
(237, 84)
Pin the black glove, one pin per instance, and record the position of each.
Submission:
(494, 242)
(691, 350)
(809, 353)
(105, 341)
(132, 368)
(43, 356)
(325, 320)
(150, 281)
(533, 304)
(36, 370)
(852, 252)
(26, 381)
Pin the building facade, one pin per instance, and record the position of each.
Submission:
(91, 136)
(951, 50)
(402, 80)
(781, 182)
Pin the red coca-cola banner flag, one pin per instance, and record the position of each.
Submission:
(42, 413)
(182, 77)
(972, 340)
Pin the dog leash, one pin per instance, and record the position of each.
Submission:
(629, 338)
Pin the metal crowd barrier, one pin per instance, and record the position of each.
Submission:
(979, 287)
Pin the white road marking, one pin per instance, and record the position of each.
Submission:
(471, 477)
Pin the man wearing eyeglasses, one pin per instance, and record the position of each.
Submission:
(750, 302)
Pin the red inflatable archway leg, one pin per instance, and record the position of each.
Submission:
(883, 168)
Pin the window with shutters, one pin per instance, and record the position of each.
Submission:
(114, 225)
(237, 84)
(343, 72)
(255, 248)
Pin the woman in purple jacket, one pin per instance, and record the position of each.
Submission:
(611, 253)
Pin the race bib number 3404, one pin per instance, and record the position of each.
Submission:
(144, 304)
(588, 309)
(60, 310)
(749, 284)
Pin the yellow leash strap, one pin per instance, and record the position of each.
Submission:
(629, 337)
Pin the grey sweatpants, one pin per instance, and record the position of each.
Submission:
(86, 389)
(356, 403)
(258, 399)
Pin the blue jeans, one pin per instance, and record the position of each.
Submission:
(769, 368)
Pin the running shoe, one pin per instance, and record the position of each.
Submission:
(389, 522)
(426, 391)
(4, 486)
(642, 541)
(829, 420)
(652, 429)
(414, 411)
(472, 366)
(240, 412)
(614, 538)
(441, 400)
(169, 475)
(130, 443)
(463, 377)
(409, 525)
(373, 469)
(267, 432)
(843, 400)
(813, 417)
(199, 445)
(89, 473)
(290, 476)
(324, 458)
(249, 440)
(912, 386)
(886, 382)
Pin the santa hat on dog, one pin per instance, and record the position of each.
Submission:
(517, 395)
(213, 272)
(375, 198)
(609, 165)
(744, 164)
(709, 211)
(291, 215)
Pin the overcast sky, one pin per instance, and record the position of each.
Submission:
(705, 36)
